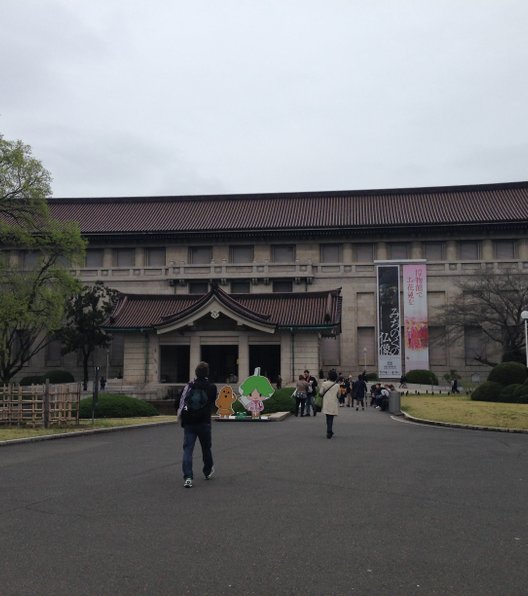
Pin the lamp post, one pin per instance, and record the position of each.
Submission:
(365, 357)
(524, 317)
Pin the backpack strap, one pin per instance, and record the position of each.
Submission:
(185, 393)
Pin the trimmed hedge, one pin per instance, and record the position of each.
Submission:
(280, 401)
(112, 405)
(54, 376)
(507, 395)
(487, 391)
(32, 380)
(521, 394)
(422, 377)
(508, 373)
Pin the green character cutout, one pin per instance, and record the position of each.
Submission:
(253, 391)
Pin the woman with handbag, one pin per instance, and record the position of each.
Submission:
(300, 395)
(330, 392)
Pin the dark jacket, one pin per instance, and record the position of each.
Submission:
(205, 417)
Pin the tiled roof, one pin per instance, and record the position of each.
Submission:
(477, 204)
(306, 309)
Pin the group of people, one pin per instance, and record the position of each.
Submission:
(379, 395)
(304, 394)
(198, 399)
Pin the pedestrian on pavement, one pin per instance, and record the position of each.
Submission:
(301, 389)
(359, 391)
(196, 403)
(310, 392)
(330, 393)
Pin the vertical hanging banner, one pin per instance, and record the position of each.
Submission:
(415, 318)
(389, 335)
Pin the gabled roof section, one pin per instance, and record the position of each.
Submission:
(265, 213)
(295, 311)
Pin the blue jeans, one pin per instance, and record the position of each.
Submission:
(203, 433)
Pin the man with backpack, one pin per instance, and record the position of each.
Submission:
(194, 411)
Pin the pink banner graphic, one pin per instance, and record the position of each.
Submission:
(415, 319)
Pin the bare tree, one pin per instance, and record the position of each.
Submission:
(492, 303)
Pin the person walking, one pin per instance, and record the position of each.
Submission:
(330, 392)
(359, 391)
(196, 403)
(301, 390)
(310, 393)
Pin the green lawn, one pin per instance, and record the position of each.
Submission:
(461, 410)
(13, 432)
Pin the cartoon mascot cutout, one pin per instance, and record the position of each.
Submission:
(224, 402)
(253, 391)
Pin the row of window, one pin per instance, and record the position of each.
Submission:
(328, 253)
(286, 253)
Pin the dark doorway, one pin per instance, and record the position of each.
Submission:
(223, 363)
(268, 358)
(174, 364)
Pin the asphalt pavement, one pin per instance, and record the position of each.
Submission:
(384, 507)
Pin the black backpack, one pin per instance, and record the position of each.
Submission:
(196, 401)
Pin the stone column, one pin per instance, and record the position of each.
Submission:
(194, 354)
(243, 357)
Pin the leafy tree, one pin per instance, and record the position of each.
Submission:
(85, 313)
(492, 302)
(32, 296)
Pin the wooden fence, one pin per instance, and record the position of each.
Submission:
(40, 405)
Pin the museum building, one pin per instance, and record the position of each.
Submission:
(291, 281)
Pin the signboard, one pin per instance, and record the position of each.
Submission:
(415, 320)
(389, 335)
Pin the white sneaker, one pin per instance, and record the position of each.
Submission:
(207, 476)
(187, 483)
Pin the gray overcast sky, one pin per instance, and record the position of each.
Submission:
(151, 97)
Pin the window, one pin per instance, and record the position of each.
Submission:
(29, 259)
(434, 251)
(94, 257)
(241, 254)
(505, 249)
(282, 285)
(53, 353)
(398, 250)
(364, 253)
(474, 345)
(283, 253)
(240, 286)
(200, 255)
(198, 287)
(330, 253)
(155, 257)
(437, 346)
(117, 350)
(124, 257)
(469, 250)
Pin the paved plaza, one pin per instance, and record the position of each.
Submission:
(386, 507)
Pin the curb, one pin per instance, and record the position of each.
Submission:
(82, 433)
(463, 426)
(275, 417)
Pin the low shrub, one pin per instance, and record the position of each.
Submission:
(32, 380)
(372, 376)
(487, 391)
(520, 394)
(280, 401)
(508, 373)
(112, 405)
(59, 376)
(54, 376)
(422, 377)
(507, 395)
